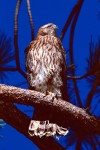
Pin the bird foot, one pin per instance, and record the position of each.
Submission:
(52, 95)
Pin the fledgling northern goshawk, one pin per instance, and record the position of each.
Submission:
(46, 71)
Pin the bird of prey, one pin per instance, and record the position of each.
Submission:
(46, 73)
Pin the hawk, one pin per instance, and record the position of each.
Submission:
(46, 65)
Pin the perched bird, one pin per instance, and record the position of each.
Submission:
(46, 67)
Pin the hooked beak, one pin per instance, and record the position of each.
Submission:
(55, 27)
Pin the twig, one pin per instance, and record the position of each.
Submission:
(79, 5)
(16, 33)
(72, 14)
(8, 69)
(79, 77)
(30, 18)
(90, 95)
(92, 143)
(16, 38)
(64, 30)
(77, 118)
(97, 140)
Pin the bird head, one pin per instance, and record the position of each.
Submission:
(48, 29)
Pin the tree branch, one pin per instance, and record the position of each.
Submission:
(16, 37)
(79, 5)
(89, 73)
(91, 95)
(30, 18)
(70, 18)
(64, 30)
(8, 69)
(79, 77)
(20, 121)
(77, 118)
(16, 32)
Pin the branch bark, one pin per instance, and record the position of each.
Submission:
(30, 18)
(20, 121)
(16, 38)
(77, 118)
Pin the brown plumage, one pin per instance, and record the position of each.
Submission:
(46, 63)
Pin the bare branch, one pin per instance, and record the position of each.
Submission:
(20, 121)
(64, 30)
(72, 14)
(79, 5)
(16, 32)
(30, 18)
(89, 73)
(77, 118)
(16, 38)
(91, 95)
(8, 69)
(79, 77)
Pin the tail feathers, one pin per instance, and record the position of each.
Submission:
(44, 128)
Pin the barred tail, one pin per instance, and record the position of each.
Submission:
(44, 128)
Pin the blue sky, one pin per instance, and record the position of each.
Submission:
(43, 11)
